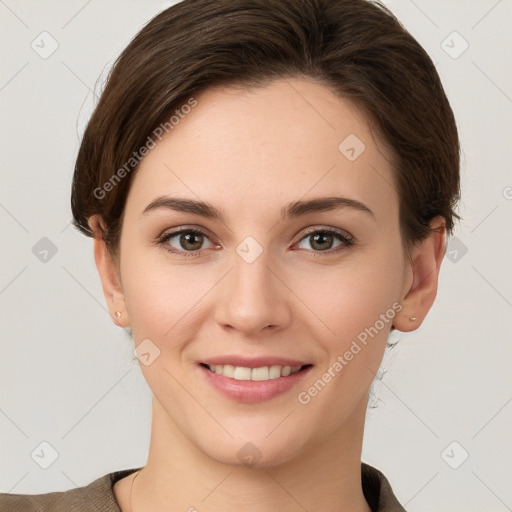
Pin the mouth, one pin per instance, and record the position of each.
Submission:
(255, 383)
(261, 373)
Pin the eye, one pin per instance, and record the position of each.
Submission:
(185, 242)
(321, 240)
(189, 242)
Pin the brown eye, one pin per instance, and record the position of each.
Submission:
(190, 241)
(322, 240)
(186, 242)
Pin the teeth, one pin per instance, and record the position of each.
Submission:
(227, 370)
(241, 373)
(263, 373)
(286, 371)
(274, 372)
(260, 373)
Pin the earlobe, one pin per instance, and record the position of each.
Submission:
(427, 257)
(109, 274)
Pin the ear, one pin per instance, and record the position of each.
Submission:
(109, 274)
(425, 265)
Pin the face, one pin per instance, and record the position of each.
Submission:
(270, 282)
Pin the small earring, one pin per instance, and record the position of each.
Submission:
(118, 314)
(412, 318)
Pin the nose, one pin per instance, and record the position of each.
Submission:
(253, 297)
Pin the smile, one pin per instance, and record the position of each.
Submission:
(261, 373)
(253, 384)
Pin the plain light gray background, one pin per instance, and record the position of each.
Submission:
(66, 374)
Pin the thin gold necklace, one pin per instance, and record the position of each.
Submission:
(131, 488)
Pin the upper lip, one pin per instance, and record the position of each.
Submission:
(253, 362)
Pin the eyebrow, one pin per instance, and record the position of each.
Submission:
(291, 210)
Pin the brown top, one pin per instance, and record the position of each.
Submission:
(98, 496)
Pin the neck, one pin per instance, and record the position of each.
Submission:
(179, 476)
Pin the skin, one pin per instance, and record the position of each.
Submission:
(250, 153)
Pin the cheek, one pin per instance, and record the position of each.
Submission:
(163, 300)
(356, 305)
(352, 296)
(356, 308)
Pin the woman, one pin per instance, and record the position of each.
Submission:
(269, 185)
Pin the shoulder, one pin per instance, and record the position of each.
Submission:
(98, 496)
(377, 490)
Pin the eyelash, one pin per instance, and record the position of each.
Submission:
(344, 237)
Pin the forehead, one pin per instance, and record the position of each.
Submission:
(247, 148)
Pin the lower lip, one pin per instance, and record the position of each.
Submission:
(252, 391)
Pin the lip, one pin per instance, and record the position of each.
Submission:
(253, 391)
(253, 362)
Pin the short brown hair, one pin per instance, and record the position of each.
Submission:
(356, 47)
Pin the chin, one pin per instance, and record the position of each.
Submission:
(252, 451)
